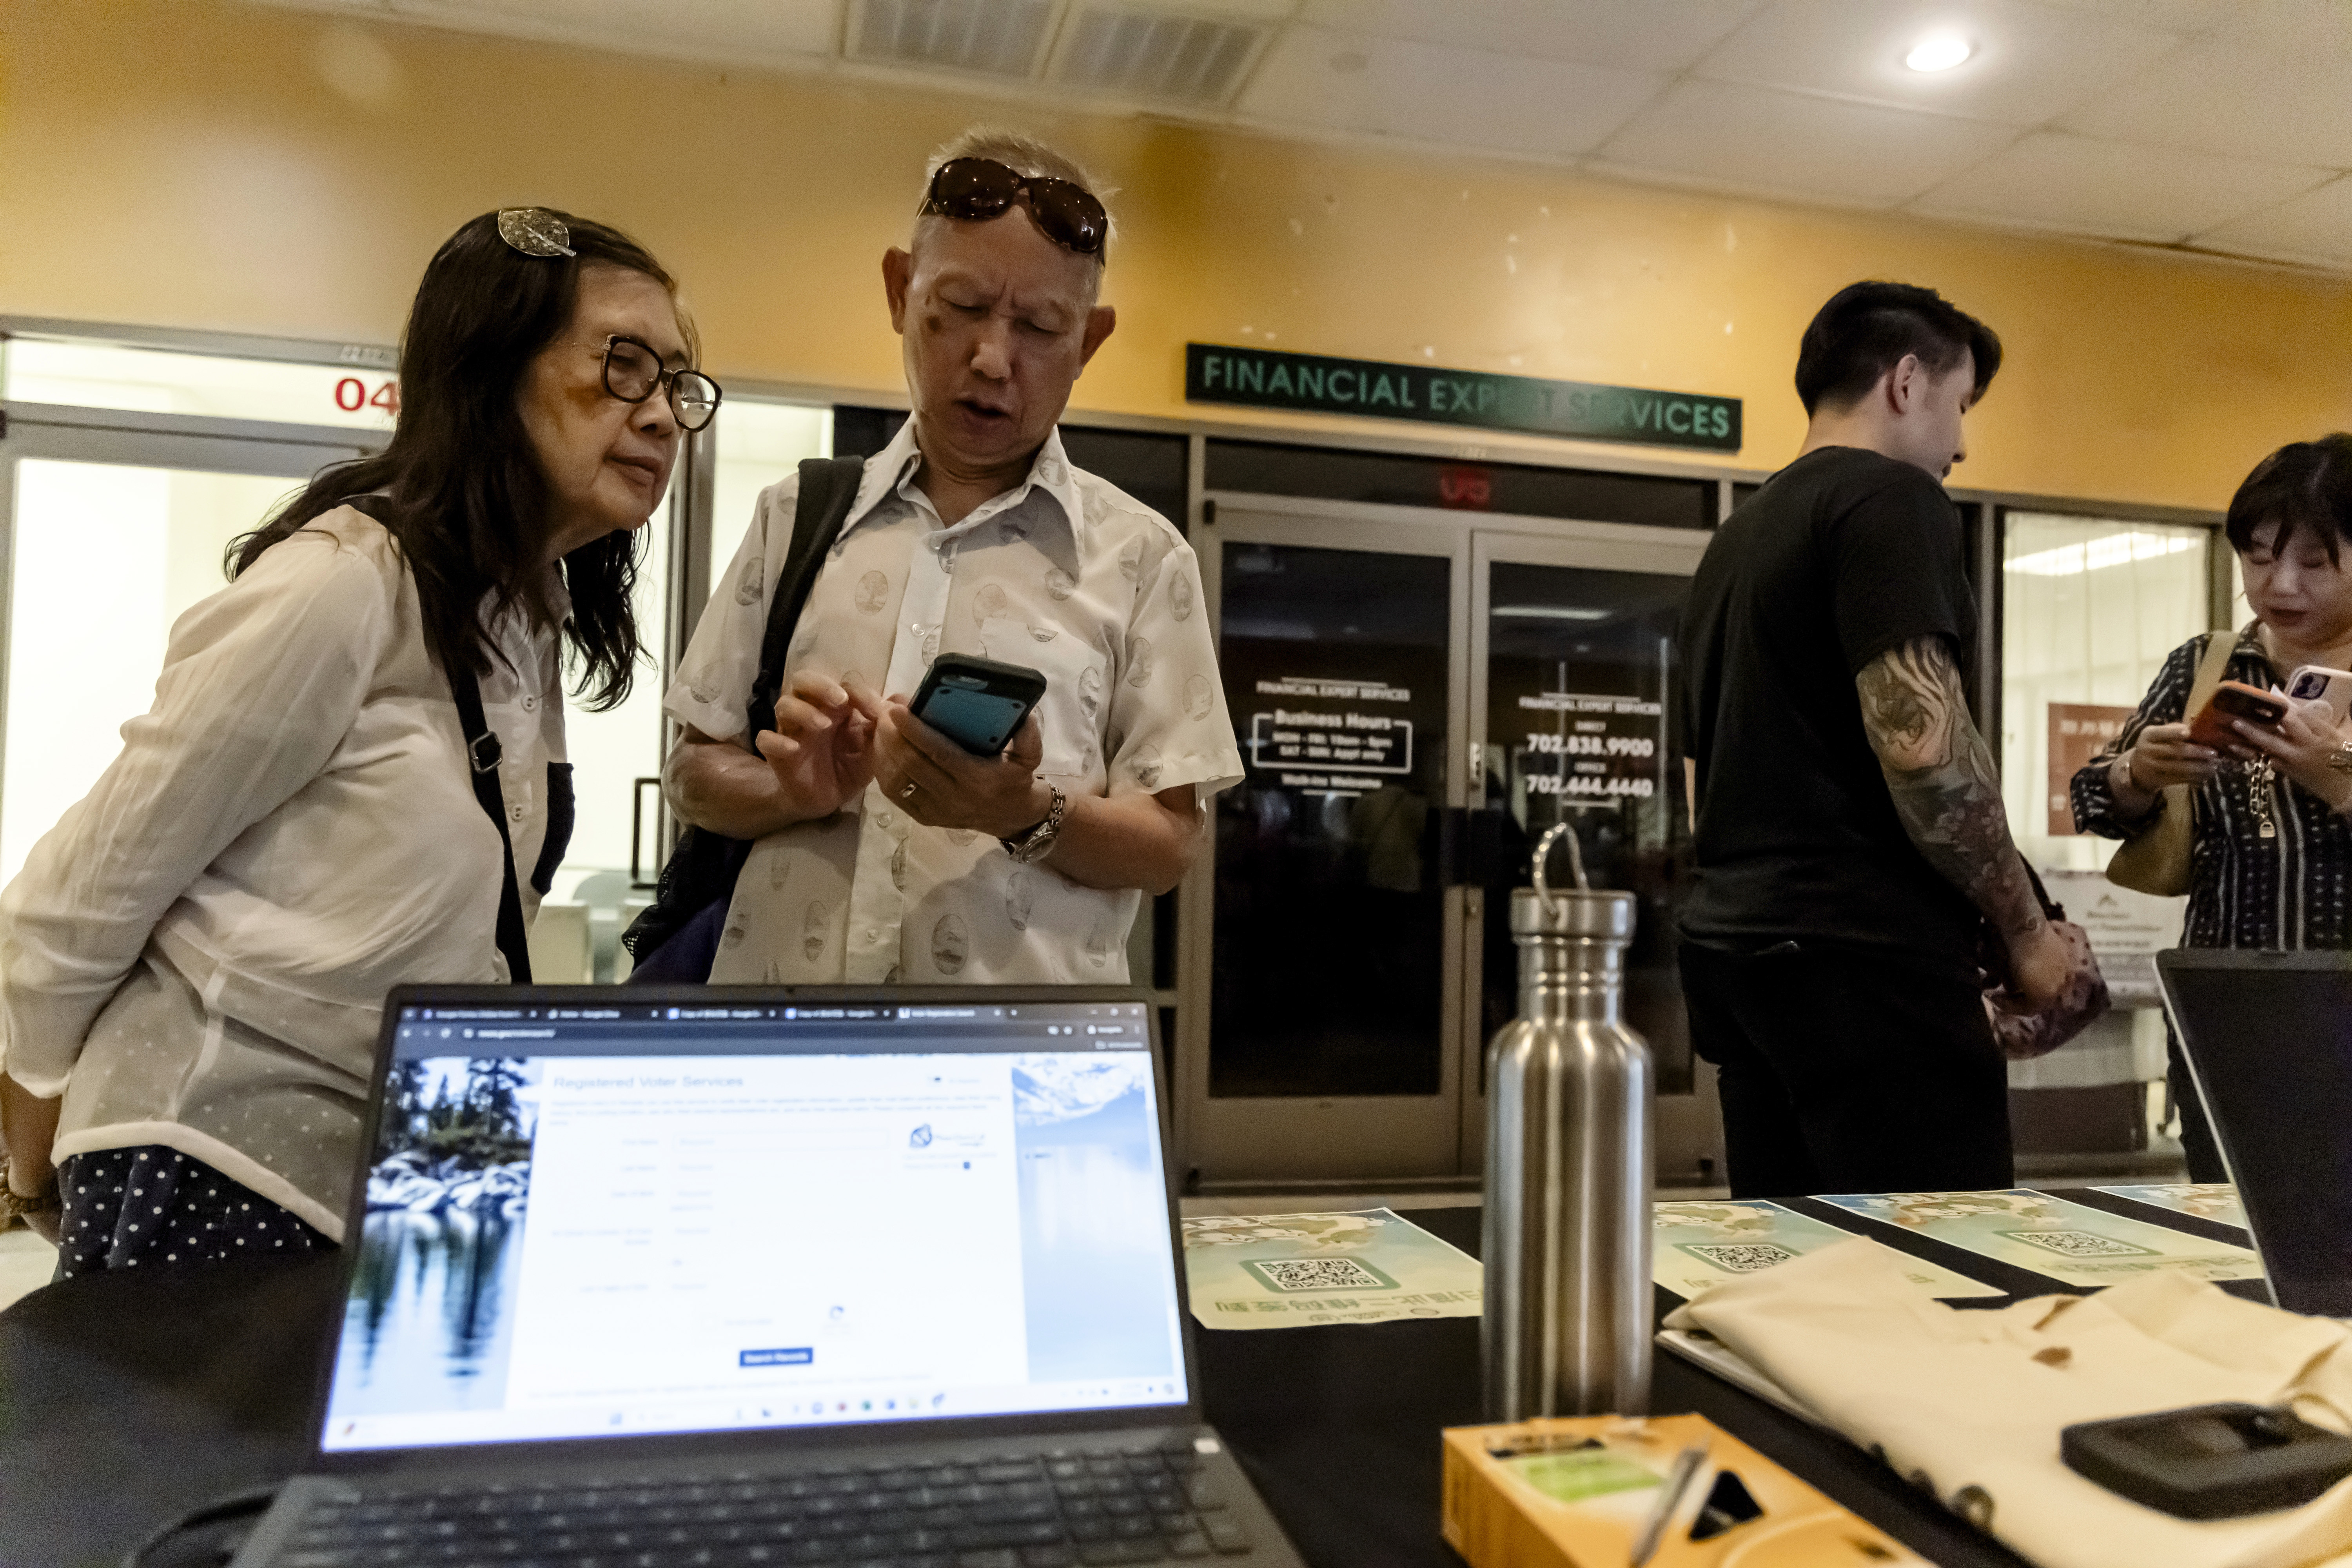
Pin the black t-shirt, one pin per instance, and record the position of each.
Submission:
(1843, 555)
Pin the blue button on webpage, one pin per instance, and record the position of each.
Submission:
(799, 1355)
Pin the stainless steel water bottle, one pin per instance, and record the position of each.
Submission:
(1567, 1325)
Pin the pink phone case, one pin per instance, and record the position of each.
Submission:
(2317, 683)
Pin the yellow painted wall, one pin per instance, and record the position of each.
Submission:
(208, 163)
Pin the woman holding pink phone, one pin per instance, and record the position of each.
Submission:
(2271, 845)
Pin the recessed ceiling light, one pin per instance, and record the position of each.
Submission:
(1938, 53)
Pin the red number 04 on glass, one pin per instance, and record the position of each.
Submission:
(351, 395)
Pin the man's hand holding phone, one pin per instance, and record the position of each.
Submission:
(822, 748)
(940, 785)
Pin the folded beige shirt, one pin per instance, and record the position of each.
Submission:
(1968, 1404)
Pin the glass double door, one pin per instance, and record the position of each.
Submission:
(1419, 695)
(106, 537)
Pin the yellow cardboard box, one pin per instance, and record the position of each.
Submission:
(1579, 1493)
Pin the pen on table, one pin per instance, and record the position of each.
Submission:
(1678, 1483)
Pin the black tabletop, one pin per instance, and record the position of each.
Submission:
(127, 1399)
(1339, 1426)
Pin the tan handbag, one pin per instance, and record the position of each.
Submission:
(2156, 859)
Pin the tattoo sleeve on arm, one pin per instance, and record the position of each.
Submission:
(1941, 775)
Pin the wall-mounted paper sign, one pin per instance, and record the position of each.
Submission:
(2127, 930)
(2078, 731)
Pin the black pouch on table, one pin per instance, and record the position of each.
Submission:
(676, 939)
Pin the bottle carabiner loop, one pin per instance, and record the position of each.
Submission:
(1575, 863)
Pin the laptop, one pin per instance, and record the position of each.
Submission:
(2269, 1041)
(749, 1277)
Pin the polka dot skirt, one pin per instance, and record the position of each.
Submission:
(156, 1208)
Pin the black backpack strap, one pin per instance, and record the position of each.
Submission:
(676, 936)
(828, 490)
(483, 753)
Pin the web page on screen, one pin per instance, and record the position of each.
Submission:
(610, 1225)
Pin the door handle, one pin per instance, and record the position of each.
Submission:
(637, 815)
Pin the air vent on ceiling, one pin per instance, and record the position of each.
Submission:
(1195, 59)
(1002, 38)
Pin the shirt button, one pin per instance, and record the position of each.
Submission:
(530, 704)
(872, 935)
(515, 812)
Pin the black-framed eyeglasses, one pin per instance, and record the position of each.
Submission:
(978, 189)
(633, 372)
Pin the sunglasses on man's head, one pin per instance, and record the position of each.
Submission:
(978, 189)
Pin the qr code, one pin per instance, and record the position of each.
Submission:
(2078, 1244)
(1318, 1274)
(1741, 1258)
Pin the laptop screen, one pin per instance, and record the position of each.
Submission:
(2269, 1038)
(590, 1221)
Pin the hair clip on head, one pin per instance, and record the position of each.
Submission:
(535, 231)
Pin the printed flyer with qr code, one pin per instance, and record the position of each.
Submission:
(2216, 1201)
(2067, 1241)
(1296, 1271)
(1701, 1244)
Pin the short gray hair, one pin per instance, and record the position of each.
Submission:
(1028, 155)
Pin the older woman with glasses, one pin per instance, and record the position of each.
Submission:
(353, 773)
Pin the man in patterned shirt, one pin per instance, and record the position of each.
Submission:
(884, 852)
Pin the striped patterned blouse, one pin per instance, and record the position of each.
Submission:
(2281, 888)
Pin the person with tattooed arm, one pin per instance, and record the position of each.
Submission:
(1850, 836)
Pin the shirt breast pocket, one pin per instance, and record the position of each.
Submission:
(1071, 711)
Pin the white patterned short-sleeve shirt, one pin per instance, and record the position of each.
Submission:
(1065, 573)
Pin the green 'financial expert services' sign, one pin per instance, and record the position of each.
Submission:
(1314, 383)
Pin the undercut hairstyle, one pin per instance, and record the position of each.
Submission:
(1024, 154)
(1865, 330)
(2304, 484)
(459, 487)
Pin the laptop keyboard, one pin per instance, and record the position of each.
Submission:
(1057, 1509)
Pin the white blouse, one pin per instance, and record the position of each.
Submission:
(196, 955)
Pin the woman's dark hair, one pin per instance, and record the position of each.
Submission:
(1867, 329)
(466, 500)
(2304, 484)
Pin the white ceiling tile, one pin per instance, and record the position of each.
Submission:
(2293, 25)
(2315, 226)
(2030, 63)
(2116, 189)
(1430, 92)
(753, 28)
(2224, 97)
(1785, 141)
(1633, 35)
(2174, 16)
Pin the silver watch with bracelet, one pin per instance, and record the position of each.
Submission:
(1033, 845)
